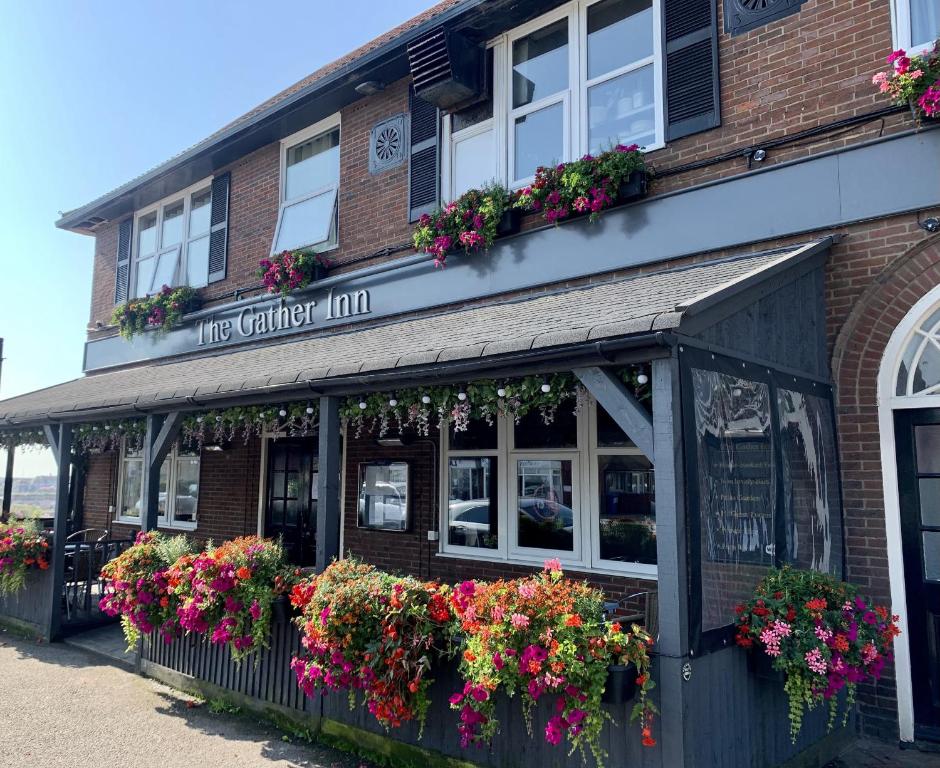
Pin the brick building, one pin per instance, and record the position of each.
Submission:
(773, 297)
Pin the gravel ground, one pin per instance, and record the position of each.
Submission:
(60, 706)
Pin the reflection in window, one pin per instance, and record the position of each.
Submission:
(811, 501)
(178, 494)
(627, 523)
(383, 496)
(561, 430)
(919, 373)
(472, 505)
(925, 21)
(540, 64)
(735, 485)
(546, 519)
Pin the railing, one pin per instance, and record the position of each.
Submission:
(82, 586)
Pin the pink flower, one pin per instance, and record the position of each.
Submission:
(527, 590)
(553, 565)
(519, 620)
(815, 661)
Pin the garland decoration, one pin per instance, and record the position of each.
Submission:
(220, 426)
(22, 438)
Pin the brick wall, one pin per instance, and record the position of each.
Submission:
(807, 70)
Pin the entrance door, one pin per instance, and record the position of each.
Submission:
(917, 433)
(291, 508)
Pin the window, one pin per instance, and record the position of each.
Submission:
(172, 245)
(178, 494)
(309, 187)
(383, 496)
(571, 486)
(916, 24)
(582, 78)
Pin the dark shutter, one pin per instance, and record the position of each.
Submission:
(691, 45)
(424, 169)
(122, 272)
(218, 239)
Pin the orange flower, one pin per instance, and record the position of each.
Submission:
(43, 564)
(574, 620)
(469, 655)
(244, 572)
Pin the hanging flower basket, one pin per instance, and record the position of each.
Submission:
(292, 271)
(621, 684)
(634, 187)
(509, 223)
(761, 666)
(913, 81)
(281, 609)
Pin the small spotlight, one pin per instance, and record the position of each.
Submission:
(461, 395)
(368, 87)
(363, 405)
(501, 392)
(546, 387)
(931, 225)
(282, 413)
(759, 155)
(426, 399)
(310, 410)
(393, 401)
(642, 378)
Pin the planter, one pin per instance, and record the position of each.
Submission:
(634, 187)
(761, 666)
(621, 684)
(281, 609)
(509, 223)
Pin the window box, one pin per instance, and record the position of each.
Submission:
(634, 187)
(509, 223)
(621, 684)
(761, 666)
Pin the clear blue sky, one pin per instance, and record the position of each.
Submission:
(93, 94)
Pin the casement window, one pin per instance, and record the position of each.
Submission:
(916, 24)
(307, 216)
(172, 243)
(178, 494)
(575, 488)
(582, 78)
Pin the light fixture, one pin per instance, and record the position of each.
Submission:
(218, 418)
(310, 410)
(759, 155)
(461, 395)
(368, 87)
(392, 401)
(363, 405)
(426, 399)
(501, 392)
(930, 225)
(282, 413)
(546, 387)
(199, 419)
(214, 448)
(642, 378)
(390, 442)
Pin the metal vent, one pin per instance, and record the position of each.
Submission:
(744, 15)
(446, 68)
(387, 143)
(90, 223)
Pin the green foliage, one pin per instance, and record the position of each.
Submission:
(23, 547)
(291, 270)
(161, 311)
(298, 419)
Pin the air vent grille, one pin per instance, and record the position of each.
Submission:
(446, 68)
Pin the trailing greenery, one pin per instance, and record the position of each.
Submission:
(161, 311)
(294, 419)
(22, 438)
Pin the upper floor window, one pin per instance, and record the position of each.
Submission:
(172, 245)
(582, 78)
(916, 24)
(309, 186)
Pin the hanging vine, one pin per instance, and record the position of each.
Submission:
(246, 422)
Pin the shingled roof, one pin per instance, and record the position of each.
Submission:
(620, 308)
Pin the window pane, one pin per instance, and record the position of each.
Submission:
(929, 327)
(197, 262)
(735, 487)
(131, 488)
(383, 496)
(619, 32)
(312, 165)
(147, 237)
(927, 448)
(472, 504)
(166, 270)
(187, 489)
(546, 517)
(172, 225)
(483, 110)
(539, 140)
(478, 436)
(144, 276)
(620, 111)
(627, 526)
(932, 555)
(811, 504)
(561, 431)
(540, 64)
(474, 162)
(199, 213)
(609, 433)
(925, 21)
(307, 223)
(930, 501)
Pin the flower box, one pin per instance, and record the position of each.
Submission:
(281, 612)
(634, 187)
(762, 667)
(509, 223)
(621, 683)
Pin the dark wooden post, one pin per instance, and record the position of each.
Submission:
(7, 487)
(162, 431)
(63, 456)
(329, 513)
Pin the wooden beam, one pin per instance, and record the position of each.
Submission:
(7, 486)
(622, 406)
(167, 435)
(63, 455)
(52, 437)
(329, 512)
(162, 432)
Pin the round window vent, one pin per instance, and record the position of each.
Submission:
(387, 144)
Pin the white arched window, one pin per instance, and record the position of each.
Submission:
(919, 367)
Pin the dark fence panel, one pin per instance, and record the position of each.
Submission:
(30, 606)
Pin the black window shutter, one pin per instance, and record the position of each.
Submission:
(218, 239)
(691, 45)
(122, 272)
(424, 167)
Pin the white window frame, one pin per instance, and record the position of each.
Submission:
(901, 28)
(576, 134)
(311, 131)
(585, 496)
(180, 271)
(166, 520)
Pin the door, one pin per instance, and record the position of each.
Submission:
(291, 508)
(917, 433)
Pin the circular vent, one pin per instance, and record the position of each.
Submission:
(388, 143)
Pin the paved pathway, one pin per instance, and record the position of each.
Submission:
(61, 707)
(867, 753)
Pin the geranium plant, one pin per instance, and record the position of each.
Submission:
(469, 222)
(588, 185)
(820, 634)
(373, 633)
(633, 647)
(136, 586)
(161, 311)
(913, 80)
(226, 592)
(22, 548)
(291, 270)
(542, 636)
